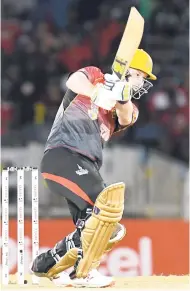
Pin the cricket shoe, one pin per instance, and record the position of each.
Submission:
(93, 280)
(62, 279)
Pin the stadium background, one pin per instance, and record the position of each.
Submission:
(42, 42)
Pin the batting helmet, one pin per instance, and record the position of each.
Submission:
(143, 62)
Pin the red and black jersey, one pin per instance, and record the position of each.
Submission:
(81, 125)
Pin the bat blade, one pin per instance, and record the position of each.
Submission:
(129, 43)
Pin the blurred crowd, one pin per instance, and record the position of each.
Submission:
(44, 40)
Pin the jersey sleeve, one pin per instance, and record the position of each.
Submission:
(135, 115)
(94, 74)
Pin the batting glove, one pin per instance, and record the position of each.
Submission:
(103, 97)
(122, 90)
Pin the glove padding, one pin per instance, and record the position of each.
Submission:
(105, 95)
(122, 90)
(102, 97)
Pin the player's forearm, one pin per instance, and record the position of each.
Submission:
(80, 84)
(124, 112)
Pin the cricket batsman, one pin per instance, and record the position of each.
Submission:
(94, 108)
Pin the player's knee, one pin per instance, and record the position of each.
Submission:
(43, 263)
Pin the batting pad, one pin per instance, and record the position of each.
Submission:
(116, 237)
(67, 261)
(107, 212)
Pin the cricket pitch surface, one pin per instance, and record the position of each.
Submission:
(128, 283)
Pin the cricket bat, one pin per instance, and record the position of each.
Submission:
(129, 43)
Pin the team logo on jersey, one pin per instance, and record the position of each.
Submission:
(93, 111)
(81, 171)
